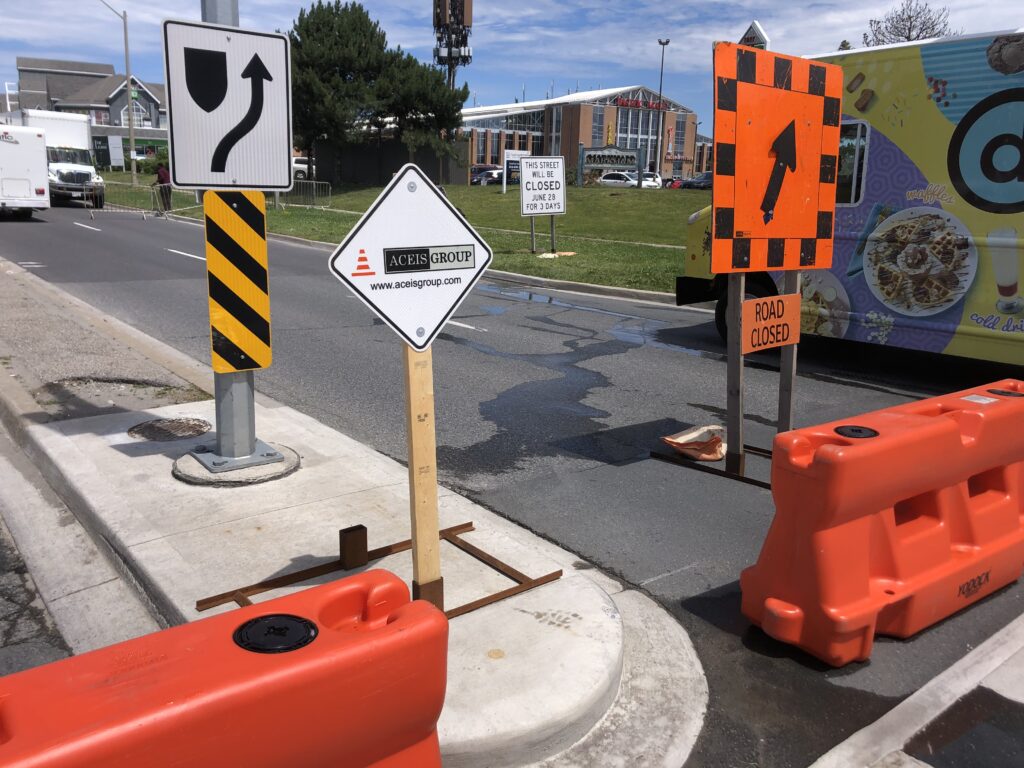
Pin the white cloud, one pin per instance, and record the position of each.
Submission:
(593, 41)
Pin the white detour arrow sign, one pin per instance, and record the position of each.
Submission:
(228, 107)
(412, 258)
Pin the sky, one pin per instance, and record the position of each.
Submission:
(564, 45)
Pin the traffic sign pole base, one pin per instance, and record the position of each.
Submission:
(213, 462)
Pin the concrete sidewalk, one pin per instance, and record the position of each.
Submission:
(577, 672)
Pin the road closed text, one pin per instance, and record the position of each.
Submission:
(771, 322)
(542, 191)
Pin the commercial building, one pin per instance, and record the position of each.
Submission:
(624, 117)
(703, 154)
(98, 91)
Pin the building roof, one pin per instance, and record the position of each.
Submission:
(580, 97)
(99, 92)
(61, 65)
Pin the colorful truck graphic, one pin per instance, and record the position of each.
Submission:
(929, 218)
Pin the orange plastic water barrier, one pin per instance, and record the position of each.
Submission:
(345, 675)
(891, 521)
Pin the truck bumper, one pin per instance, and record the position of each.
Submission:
(74, 190)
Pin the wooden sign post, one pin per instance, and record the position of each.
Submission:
(427, 583)
(412, 259)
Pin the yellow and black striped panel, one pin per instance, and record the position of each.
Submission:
(236, 268)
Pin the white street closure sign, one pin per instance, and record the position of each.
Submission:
(412, 258)
(542, 186)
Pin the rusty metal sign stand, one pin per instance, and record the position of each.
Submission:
(354, 554)
(702, 466)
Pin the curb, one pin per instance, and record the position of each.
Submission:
(637, 712)
(514, 278)
(891, 731)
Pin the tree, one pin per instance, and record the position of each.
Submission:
(845, 45)
(416, 100)
(348, 86)
(338, 54)
(910, 20)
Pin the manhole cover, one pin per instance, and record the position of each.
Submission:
(163, 430)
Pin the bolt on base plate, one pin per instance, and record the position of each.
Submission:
(263, 454)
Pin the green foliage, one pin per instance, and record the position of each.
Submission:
(417, 98)
(349, 87)
(338, 53)
(148, 166)
(845, 45)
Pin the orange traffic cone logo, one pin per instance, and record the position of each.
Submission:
(363, 266)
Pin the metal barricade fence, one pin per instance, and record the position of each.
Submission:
(146, 200)
(307, 194)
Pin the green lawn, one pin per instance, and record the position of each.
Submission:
(606, 229)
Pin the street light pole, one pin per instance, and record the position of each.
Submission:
(661, 108)
(128, 91)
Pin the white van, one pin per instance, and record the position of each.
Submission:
(24, 182)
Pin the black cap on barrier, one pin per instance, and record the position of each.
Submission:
(1006, 393)
(276, 633)
(849, 430)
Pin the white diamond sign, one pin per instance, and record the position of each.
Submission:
(412, 258)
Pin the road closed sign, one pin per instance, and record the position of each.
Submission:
(542, 186)
(771, 322)
(412, 258)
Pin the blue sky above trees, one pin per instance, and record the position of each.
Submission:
(567, 43)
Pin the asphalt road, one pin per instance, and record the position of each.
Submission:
(548, 405)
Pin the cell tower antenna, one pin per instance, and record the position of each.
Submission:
(453, 23)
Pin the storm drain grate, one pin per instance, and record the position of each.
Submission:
(164, 430)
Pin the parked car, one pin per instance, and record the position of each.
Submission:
(478, 168)
(701, 181)
(617, 179)
(301, 168)
(651, 177)
(490, 176)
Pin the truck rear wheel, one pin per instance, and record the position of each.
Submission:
(757, 287)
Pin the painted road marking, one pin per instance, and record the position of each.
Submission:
(470, 327)
(182, 253)
(85, 226)
(31, 265)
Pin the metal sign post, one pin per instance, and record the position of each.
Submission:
(787, 381)
(735, 457)
(229, 116)
(542, 192)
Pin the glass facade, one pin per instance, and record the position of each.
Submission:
(597, 128)
(555, 136)
(481, 146)
(639, 128)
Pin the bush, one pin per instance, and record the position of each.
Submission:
(148, 166)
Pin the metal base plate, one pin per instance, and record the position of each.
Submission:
(213, 462)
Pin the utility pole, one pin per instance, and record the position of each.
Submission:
(128, 92)
(661, 108)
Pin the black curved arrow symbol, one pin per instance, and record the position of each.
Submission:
(257, 72)
(784, 148)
